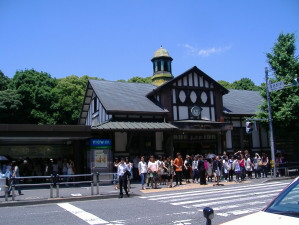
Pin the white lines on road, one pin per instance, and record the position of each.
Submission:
(250, 195)
(191, 193)
(238, 212)
(85, 216)
(227, 201)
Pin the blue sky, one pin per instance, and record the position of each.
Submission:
(116, 39)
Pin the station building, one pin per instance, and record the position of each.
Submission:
(190, 113)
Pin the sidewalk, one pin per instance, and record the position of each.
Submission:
(41, 195)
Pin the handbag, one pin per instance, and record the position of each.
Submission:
(260, 163)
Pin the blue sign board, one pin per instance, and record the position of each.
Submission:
(100, 142)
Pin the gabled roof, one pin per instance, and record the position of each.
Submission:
(193, 69)
(242, 102)
(125, 97)
(141, 126)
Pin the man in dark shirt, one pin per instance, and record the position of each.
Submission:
(202, 171)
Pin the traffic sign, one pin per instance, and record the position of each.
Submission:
(276, 86)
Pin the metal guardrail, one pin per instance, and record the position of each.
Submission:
(58, 180)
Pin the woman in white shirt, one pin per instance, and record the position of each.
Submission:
(153, 169)
(142, 168)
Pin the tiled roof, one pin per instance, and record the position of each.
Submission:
(242, 102)
(135, 126)
(124, 96)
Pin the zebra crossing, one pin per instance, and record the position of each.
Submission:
(226, 201)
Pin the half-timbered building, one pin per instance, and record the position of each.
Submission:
(190, 113)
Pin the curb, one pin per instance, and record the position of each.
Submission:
(58, 200)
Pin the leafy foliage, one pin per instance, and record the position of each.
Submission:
(4, 81)
(68, 95)
(137, 79)
(242, 84)
(9, 104)
(285, 67)
(245, 84)
(225, 84)
(36, 96)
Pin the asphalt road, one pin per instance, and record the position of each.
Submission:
(170, 207)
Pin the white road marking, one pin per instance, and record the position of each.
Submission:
(229, 201)
(253, 195)
(226, 206)
(182, 222)
(214, 191)
(238, 212)
(85, 216)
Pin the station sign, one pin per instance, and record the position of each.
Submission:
(276, 86)
(100, 143)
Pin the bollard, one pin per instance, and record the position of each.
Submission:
(91, 187)
(57, 190)
(208, 214)
(13, 192)
(98, 183)
(6, 193)
(57, 185)
(51, 190)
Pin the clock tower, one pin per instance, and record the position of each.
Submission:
(161, 66)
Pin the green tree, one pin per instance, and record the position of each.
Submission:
(121, 80)
(4, 81)
(9, 104)
(244, 84)
(225, 84)
(137, 79)
(36, 96)
(284, 66)
(68, 94)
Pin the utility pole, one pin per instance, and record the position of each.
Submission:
(270, 122)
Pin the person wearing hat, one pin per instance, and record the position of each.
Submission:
(122, 173)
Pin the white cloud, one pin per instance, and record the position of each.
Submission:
(206, 52)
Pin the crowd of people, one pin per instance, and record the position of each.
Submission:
(35, 167)
(201, 169)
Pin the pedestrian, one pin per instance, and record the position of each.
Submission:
(130, 170)
(70, 170)
(115, 166)
(14, 178)
(136, 161)
(210, 169)
(178, 164)
(142, 169)
(242, 166)
(195, 173)
(231, 171)
(54, 173)
(265, 163)
(257, 161)
(237, 169)
(217, 169)
(153, 171)
(187, 168)
(122, 173)
(225, 168)
(248, 166)
(201, 171)
(64, 169)
(169, 171)
(161, 168)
